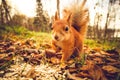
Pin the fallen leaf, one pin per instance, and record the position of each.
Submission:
(73, 69)
(30, 42)
(47, 46)
(110, 69)
(31, 73)
(2, 56)
(94, 71)
(10, 49)
(116, 64)
(55, 60)
(50, 53)
(86, 49)
(110, 60)
(96, 54)
(74, 77)
(35, 61)
(98, 60)
(104, 53)
(83, 75)
(97, 49)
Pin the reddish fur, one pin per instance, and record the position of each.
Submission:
(74, 43)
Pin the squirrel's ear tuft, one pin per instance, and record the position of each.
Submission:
(56, 16)
(69, 18)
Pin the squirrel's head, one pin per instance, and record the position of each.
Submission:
(61, 28)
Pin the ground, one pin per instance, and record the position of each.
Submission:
(27, 55)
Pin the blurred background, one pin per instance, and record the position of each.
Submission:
(37, 15)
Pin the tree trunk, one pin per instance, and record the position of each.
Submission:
(1, 12)
(58, 7)
(107, 22)
(5, 14)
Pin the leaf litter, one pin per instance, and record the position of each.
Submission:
(24, 60)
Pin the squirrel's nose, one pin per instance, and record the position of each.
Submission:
(56, 37)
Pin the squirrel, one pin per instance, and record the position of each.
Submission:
(68, 33)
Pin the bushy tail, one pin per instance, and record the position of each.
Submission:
(79, 18)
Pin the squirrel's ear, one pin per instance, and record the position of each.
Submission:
(69, 18)
(56, 16)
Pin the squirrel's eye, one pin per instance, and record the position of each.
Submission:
(66, 28)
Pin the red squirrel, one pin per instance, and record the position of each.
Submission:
(68, 33)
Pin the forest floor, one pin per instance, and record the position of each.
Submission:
(27, 55)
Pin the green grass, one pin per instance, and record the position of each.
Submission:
(21, 33)
(107, 45)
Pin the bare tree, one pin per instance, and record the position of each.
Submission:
(97, 21)
(111, 15)
(58, 7)
(107, 22)
(5, 12)
(41, 20)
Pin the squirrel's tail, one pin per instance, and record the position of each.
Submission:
(79, 18)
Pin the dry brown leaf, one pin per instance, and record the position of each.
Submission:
(110, 69)
(94, 71)
(83, 74)
(37, 56)
(31, 73)
(105, 53)
(55, 60)
(117, 63)
(97, 49)
(111, 60)
(30, 42)
(72, 69)
(97, 54)
(2, 56)
(35, 60)
(73, 76)
(50, 53)
(86, 49)
(98, 60)
(5, 60)
(47, 46)
(10, 49)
